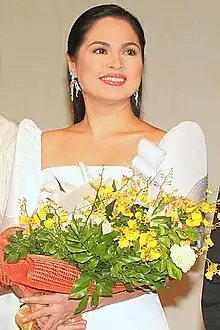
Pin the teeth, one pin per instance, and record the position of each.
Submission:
(114, 79)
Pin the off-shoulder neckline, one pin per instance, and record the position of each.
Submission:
(30, 123)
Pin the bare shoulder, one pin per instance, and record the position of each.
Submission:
(54, 141)
(150, 132)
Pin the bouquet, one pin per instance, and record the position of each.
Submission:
(121, 235)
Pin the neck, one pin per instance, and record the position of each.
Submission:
(103, 119)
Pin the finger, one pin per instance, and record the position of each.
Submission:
(50, 325)
(42, 300)
(45, 311)
(80, 325)
(40, 323)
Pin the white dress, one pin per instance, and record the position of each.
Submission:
(8, 132)
(182, 149)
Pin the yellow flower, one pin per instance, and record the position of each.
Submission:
(143, 238)
(123, 242)
(207, 223)
(185, 241)
(204, 248)
(124, 180)
(209, 192)
(107, 190)
(211, 271)
(190, 209)
(131, 234)
(138, 215)
(49, 223)
(218, 216)
(208, 240)
(35, 219)
(148, 254)
(43, 211)
(63, 217)
(195, 219)
(173, 216)
(148, 239)
(23, 219)
(27, 231)
(144, 198)
(207, 208)
(132, 223)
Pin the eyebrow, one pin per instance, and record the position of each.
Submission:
(99, 42)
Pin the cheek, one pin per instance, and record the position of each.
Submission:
(135, 70)
(88, 71)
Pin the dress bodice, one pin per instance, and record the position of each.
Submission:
(181, 150)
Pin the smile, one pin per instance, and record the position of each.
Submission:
(117, 80)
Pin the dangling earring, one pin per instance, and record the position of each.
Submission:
(136, 97)
(74, 83)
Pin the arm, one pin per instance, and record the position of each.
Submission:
(8, 132)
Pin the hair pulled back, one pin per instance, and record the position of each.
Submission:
(77, 36)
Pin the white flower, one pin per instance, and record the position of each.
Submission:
(183, 256)
(106, 227)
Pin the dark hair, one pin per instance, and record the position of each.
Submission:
(76, 38)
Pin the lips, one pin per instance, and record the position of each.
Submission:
(114, 79)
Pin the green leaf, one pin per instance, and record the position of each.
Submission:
(13, 257)
(159, 285)
(74, 248)
(114, 186)
(129, 259)
(81, 287)
(165, 241)
(91, 242)
(87, 233)
(82, 305)
(108, 238)
(7, 248)
(100, 249)
(160, 207)
(162, 230)
(192, 234)
(160, 266)
(83, 257)
(129, 287)
(83, 279)
(109, 209)
(174, 237)
(74, 227)
(94, 299)
(19, 234)
(159, 221)
(93, 263)
(104, 289)
(181, 233)
(173, 270)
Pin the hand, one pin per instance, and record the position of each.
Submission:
(73, 324)
(59, 308)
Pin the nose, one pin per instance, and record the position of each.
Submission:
(115, 62)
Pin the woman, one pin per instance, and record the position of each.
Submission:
(106, 61)
(8, 132)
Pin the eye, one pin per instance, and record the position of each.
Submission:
(99, 51)
(130, 52)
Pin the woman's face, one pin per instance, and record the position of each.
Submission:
(109, 62)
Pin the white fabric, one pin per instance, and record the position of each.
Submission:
(182, 149)
(8, 131)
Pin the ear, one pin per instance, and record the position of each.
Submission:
(71, 64)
